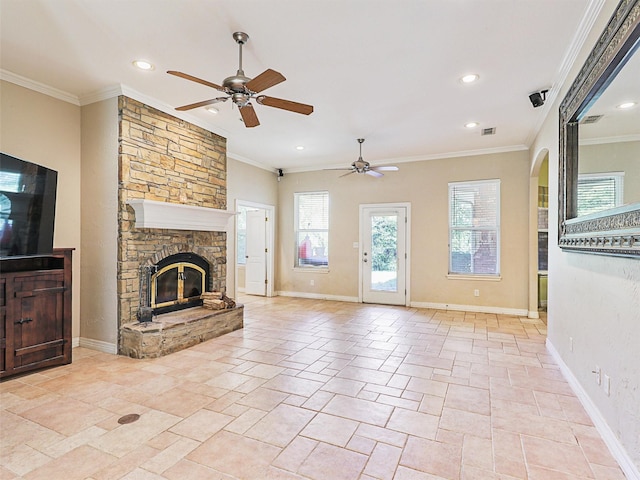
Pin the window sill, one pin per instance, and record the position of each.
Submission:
(482, 278)
(311, 269)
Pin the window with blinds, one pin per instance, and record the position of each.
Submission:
(474, 227)
(312, 229)
(599, 191)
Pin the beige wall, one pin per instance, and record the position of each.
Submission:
(596, 301)
(99, 307)
(425, 186)
(249, 184)
(46, 131)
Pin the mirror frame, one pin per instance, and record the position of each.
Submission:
(615, 231)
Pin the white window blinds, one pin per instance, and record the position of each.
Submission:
(312, 229)
(474, 227)
(597, 192)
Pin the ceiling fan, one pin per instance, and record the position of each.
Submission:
(362, 166)
(242, 90)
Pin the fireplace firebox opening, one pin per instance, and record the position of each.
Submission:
(177, 282)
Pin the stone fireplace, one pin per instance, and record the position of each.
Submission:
(171, 221)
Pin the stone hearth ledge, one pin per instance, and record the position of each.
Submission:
(174, 331)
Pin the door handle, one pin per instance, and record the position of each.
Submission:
(23, 320)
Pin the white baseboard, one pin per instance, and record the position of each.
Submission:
(609, 438)
(318, 296)
(533, 314)
(75, 342)
(436, 306)
(518, 312)
(100, 346)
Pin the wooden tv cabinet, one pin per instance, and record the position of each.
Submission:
(35, 312)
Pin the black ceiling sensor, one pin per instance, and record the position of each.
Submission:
(538, 98)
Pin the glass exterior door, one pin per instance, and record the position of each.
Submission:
(383, 255)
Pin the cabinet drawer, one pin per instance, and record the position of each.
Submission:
(38, 284)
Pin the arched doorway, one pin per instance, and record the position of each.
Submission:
(539, 233)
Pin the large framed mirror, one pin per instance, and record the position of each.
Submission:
(599, 176)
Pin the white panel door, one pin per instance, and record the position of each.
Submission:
(256, 254)
(384, 255)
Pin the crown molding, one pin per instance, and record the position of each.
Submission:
(425, 158)
(38, 87)
(634, 137)
(100, 95)
(594, 8)
(248, 161)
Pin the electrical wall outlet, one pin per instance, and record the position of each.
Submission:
(312, 282)
(606, 385)
(476, 293)
(571, 344)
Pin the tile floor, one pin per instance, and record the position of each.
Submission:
(312, 390)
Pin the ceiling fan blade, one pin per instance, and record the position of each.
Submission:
(374, 174)
(202, 104)
(285, 104)
(348, 173)
(265, 80)
(186, 76)
(385, 168)
(249, 116)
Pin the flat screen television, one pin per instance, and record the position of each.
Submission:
(27, 207)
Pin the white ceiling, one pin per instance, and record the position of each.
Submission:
(384, 70)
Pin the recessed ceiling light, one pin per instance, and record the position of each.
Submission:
(625, 105)
(143, 64)
(471, 124)
(212, 110)
(470, 78)
(300, 147)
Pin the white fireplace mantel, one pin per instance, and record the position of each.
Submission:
(153, 214)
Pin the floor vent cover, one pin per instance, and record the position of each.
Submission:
(130, 418)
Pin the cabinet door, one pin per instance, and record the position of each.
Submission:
(37, 316)
(3, 323)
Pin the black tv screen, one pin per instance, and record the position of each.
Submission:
(27, 207)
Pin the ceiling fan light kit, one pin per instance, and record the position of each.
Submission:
(242, 89)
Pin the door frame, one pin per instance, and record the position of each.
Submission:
(270, 212)
(407, 272)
